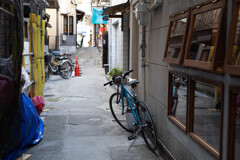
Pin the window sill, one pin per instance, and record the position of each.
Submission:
(177, 122)
(213, 151)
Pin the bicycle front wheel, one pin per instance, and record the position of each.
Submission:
(119, 113)
(148, 128)
(66, 70)
(47, 72)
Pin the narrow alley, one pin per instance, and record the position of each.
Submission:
(78, 121)
(181, 101)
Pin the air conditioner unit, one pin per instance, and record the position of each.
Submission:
(74, 2)
(136, 11)
(143, 14)
(64, 37)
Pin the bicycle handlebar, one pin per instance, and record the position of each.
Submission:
(110, 82)
(127, 73)
(124, 76)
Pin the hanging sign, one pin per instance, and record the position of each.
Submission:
(97, 17)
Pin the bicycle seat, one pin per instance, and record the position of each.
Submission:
(56, 53)
(132, 82)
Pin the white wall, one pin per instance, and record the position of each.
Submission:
(118, 53)
(85, 26)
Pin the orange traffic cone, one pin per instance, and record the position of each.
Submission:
(77, 68)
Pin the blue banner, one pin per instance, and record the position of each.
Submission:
(97, 16)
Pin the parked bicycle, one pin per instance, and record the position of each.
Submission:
(58, 65)
(131, 113)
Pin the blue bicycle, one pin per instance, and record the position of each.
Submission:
(131, 113)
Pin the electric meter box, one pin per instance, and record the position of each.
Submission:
(141, 13)
(136, 11)
(64, 37)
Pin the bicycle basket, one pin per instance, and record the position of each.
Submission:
(116, 80)
(130, 120)
(47, 58)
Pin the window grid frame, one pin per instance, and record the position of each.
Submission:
(231, 123)
(71, 17)
(65, 25)
(175, 17)
(170, 87)
(216, 63)
(193, 135)
(228, 68)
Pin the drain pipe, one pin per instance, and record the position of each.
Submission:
(143, 8)
(143, 45)
(143, 65)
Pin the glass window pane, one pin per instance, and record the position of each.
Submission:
(237, 127)
(65, 20)
(179, 98)
(207, 113)
(71, 25)
(236, 46)
(206, 25)
(65, 25)
(65, 29)
(70, 20)
(175, 42)
(70, 29)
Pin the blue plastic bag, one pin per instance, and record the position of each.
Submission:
(31, 128)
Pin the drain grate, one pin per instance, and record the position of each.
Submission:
(49, 95)
(94, 119)
(73, 124)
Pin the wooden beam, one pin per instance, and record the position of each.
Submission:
(115, 16)
(122, 21)
(6, 12)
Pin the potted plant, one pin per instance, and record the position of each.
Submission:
(117, 71)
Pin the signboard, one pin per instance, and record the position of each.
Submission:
(97, 17)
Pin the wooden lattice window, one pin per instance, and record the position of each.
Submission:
(71, 25)
(177, 36)
(232, 61)
(65, 25)
(205, 47)
(26, 30)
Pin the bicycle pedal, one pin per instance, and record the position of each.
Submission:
(131, 137)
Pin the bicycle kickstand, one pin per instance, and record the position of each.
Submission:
(135, 136)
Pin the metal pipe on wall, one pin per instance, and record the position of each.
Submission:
(143, 65)
(57, 38)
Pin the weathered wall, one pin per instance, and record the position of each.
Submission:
(153, 87)
(53, 21)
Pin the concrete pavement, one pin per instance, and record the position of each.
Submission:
(78, 121)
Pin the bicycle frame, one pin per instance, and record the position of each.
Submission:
(127, 93)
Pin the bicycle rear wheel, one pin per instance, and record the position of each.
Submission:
(115, 103)
(148, 128)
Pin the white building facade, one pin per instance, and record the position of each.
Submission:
(118, 35)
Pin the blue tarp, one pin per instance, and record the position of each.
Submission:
(31, 129)
(97, 16)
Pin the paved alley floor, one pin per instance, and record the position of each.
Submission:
(78, 121)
